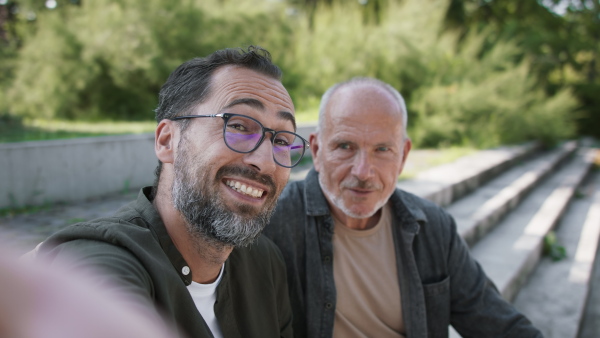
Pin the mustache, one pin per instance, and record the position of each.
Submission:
(355, 183)
(247, 173)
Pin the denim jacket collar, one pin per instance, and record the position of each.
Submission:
(316, 203)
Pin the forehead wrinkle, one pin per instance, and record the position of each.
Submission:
(265, 95)
(259, 92)
(242, 90)
(254, 103)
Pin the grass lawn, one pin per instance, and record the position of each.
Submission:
(17, 130)
(14, 130)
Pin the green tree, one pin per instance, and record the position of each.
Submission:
(559, 37)
(469, 83)
(107, 59)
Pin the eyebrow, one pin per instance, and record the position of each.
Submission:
(247, 101)
(254, 103)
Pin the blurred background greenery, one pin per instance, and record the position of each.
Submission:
(475, 73)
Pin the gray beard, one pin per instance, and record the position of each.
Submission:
(338, 201)
(206, 216)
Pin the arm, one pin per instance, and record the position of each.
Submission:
(43, 300)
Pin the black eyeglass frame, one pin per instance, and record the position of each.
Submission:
(227, 116)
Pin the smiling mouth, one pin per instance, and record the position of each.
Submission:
(245, 189)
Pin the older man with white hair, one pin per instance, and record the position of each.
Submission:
(366, 259)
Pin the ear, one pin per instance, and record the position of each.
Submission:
(407, 147)
(314, 149)
(164, 140)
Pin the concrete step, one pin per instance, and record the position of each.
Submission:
(511, 251)
(477, 213)
(590, 324)
(513, 248)
(555, 296)
(446, 183)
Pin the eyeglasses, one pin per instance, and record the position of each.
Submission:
(243, 134)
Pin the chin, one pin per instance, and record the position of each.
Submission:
(359, 213)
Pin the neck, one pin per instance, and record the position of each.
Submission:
(205, 257)
(356, 223)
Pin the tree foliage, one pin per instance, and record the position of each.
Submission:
(477, 72)
(560, 37)
(108, 59)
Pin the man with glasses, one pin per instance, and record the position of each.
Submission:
(365, 259)
(190, 246)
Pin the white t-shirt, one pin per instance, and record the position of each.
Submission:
(205, 296)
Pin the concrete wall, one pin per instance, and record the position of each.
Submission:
(35, 173)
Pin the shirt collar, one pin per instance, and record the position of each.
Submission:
(155, 224)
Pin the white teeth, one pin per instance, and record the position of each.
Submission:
(250, 191)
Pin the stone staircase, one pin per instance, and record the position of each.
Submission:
(506, 203)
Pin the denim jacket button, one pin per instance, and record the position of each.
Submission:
(328, 306)
(327, 259)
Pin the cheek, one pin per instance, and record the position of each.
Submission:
(390, 178)
(281, 178)
(333, 176)
(330, 161)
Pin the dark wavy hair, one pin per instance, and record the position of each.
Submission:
(190, 84)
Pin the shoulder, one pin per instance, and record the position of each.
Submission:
(112, 243)
(114, 263)
(415, 203)
(111, 230)
(262, 250)
(261, 257)
(429, 216)
(289, 212)
(291, 194)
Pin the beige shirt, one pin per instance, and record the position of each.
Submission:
(366, 281)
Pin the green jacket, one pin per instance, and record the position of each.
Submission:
(133, 249)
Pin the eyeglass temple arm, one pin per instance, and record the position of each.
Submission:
(194, 116)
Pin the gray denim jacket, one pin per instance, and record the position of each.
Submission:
(440, 283)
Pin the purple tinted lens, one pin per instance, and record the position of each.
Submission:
(242, 142)
(242, 134)
(289, 155)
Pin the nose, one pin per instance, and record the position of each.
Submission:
(362, 167)
(262, 157)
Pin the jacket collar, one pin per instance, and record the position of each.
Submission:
(315, 201)
(413, 217)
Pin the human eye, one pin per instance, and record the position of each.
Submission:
(283, 140)
(240, 124)
(342, 146)
(237, 126)
(383, 149)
